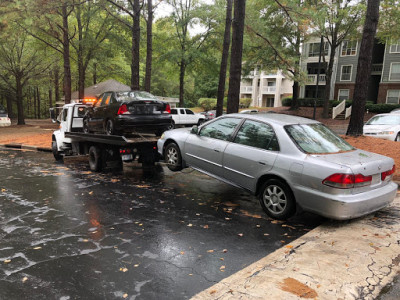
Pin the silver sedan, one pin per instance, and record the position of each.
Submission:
(288, 162)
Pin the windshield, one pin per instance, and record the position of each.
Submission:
(317, 139)
(136, 95)
(384, 120)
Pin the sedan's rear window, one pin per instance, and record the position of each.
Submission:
(384, 120)
(136, 95)
(317, 138)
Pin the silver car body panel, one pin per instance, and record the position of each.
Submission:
(243, 166)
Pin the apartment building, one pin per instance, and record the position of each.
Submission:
(384, 84)
(266, 89)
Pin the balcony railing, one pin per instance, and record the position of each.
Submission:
(312, 79)
(246, 89)
(376, 69)
(269, 89)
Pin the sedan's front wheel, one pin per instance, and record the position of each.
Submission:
(173, 157)
(277, 199)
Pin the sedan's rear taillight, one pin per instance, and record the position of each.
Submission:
(387, 175)
(347, 181)
(123, 110)
(167, 109)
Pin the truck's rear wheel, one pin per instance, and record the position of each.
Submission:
(95, 159)
(57, 154)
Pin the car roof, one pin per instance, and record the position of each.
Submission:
(281, 119)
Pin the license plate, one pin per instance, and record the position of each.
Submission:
(126, 157)
(376, 179)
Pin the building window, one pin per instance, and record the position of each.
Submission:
(313, 49)
(346, 73)
(395, 48)
(393, 96)
(349, 48)
(343, 95)
(394, 71)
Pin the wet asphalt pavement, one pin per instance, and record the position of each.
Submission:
(69, 233)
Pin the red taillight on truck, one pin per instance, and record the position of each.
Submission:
(387, 175)
(167, 109)
(347, 181)
(123, 110)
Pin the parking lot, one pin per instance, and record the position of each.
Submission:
(69, 233)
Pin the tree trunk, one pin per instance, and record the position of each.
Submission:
(182, 83)
(50, 97)
(135, 46)
(38, 102)
(95, 73)
(57, 85)
(66, 57)
(224, 59)
(235, 71)
(34, 103)
(295, 90)
(20, 106)
(149, 51)
(364, 69)
(9, 107)
(81, 68)
(325, 112)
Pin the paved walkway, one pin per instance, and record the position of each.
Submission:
(338, 260)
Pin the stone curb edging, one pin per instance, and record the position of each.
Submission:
(338, 260)
(26, 147)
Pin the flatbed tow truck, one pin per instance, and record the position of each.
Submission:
(103, 150)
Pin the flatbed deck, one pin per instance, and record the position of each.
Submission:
(117, 140)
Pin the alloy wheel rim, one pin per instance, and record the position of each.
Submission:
(172, 156)
(275, 199)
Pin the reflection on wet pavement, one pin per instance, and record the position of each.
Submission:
(67, 233)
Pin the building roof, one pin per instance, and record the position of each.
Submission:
(105, 86)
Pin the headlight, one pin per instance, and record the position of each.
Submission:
(162, 136)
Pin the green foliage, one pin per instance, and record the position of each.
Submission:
(244, 102)
(380, 108)
(207, 103)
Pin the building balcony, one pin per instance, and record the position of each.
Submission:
(312, 79)
(376, 69)
(246, 89)
(269, 89)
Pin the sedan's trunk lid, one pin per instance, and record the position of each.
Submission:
(362, 162)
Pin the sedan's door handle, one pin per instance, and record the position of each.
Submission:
(262, 163)
(217, 150)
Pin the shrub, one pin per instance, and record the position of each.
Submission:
(207, 103)
(287, 101)
(380, 108)
(244, 102)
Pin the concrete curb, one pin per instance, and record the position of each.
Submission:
(338, 260)
(26, 147)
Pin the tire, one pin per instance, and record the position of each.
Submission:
(86, 126)
(95, 159)
(173, 157)
(57, 154)
(397, 139)
(171, 126)
(277, 200)
(109, 127)
(201, 121)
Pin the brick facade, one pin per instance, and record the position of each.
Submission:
(384, 87)
(344, 86)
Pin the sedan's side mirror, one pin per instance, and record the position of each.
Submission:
(194, 129)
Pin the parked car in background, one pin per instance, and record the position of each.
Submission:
(395, 111)
(4, 119)
(249, 111)
(117, 113)
(384, 126)
(186, 117)
(287, 161)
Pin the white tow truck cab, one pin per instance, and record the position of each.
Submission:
(70, 140)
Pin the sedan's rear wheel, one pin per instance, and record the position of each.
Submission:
(110, 127)
(171, 126)
(277, 199)
(173, 157)
(397, 139)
